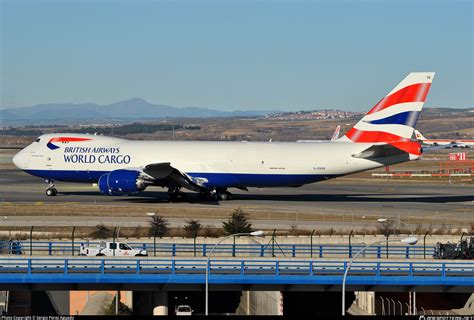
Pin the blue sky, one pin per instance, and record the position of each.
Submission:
(229, 55)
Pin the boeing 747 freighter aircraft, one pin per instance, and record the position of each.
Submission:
(123, 167)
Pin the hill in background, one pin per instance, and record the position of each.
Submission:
(127, 110)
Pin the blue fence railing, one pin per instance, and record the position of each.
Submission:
(231, 271)
(260, 250)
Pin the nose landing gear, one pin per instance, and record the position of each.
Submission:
(51, 191)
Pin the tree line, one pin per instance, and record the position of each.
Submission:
(159, 226)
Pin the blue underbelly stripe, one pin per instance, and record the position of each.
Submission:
(213, 179)
(257, 179)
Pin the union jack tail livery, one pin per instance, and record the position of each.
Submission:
(394, 117)
(392, 120)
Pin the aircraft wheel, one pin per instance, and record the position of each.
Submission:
(51, 192)
(226, 195)
(223, 196)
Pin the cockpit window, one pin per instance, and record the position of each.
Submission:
(37, 140)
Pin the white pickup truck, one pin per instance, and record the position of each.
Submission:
(118, 249)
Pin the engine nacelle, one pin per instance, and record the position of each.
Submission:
(121, 182)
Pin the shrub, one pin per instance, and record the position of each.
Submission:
(101, 232)
(211, 232)
(386, 227)
(192, 228)
(158, 226)
(237, 223)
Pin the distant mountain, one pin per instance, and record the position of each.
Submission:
(137, 110)
(133, 109)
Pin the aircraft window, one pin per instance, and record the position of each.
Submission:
(37, 140)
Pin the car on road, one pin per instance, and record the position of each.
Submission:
(112, 249)
(183, 310)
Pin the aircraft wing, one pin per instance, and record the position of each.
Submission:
(164, 171)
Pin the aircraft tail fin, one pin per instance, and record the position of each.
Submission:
(335, 135)
(394, 117)
(419, 136)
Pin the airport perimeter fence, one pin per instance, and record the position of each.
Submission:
(246, 250)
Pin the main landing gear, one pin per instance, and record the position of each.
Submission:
(215, 195)
(175, 195)
(51, 191)
(224, 195)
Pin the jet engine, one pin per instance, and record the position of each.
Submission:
(121, 182)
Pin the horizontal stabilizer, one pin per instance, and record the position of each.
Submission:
(389, 150)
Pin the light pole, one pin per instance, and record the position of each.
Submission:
(409, 240)
(208, 265)
(383, 306)
(415, 310)
(127, 218)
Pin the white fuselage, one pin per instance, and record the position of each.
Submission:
(216, 164)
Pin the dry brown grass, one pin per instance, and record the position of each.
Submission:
(130, 233)
(217, 214)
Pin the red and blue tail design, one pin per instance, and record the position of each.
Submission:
(393, 119)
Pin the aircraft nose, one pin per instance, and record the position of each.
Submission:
(19, 160)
